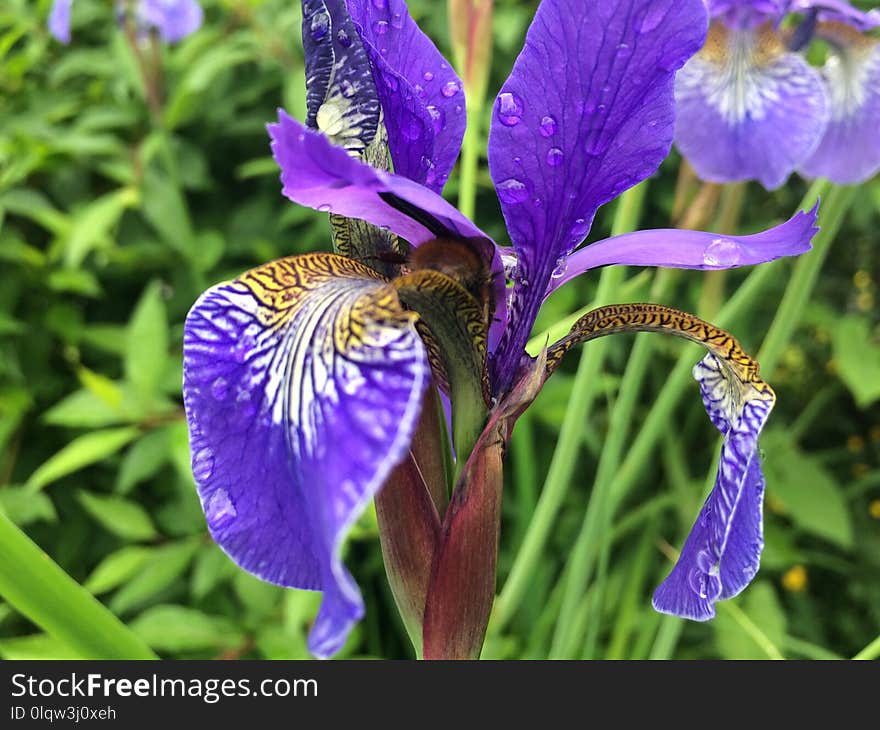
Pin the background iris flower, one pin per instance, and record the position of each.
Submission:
(173, 19)
(749, 106)
(307, 381)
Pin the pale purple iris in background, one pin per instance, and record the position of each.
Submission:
(172, 19)
(303, 385)
(749, 106)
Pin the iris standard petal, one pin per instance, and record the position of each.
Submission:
(320, 175)
(59, 20)
(850, 148)
(680, 249)
(744, 14)
(721, 554)
(747, 108)
(174, 19)
(303, 380)
(586, 113)
(421, 96)
(341, 98)
(838, 11)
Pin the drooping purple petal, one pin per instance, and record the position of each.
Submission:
(849, 151)
(302, 383)
(59, 20)
(341, 98)
(174, 19)
(586, 113)
(722, 553)
(747, 108)
(680, 249)
(838, 11)
(317, 174)
(422, 97)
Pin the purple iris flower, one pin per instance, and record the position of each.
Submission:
(173, 19)
(749, 106)
(304, 378)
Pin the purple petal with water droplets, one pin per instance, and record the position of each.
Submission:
(316, 173)
(421, 95)
(302, 383)
(747, 108)
(59, 20)
(586, 113)
(681, 249)
(722, 552)
(849, 152)
(174, 19)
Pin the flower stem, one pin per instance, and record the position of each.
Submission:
(470, 158)
(584, 391)
(40, 590)
(752, 629)
(871, 651)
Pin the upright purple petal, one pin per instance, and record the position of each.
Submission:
(744, 14)
(421, 95)
(838, 11)
(586, 113)
(721, 554)
(747, 108)
(59, 20)
(174, 19)
(850, 148)
(679, 249)
(317, 174)
(303, 381)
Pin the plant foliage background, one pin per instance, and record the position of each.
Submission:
(114, 218)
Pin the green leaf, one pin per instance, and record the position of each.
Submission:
(83, 409)
(143, 459)
(92, 225)
(37, 646)
(14, 404)
(147, 341)
(762, 608)
(805, 490)
(167, 565)
(117, 568)
(212, 567)
(24, 507)
(74, 281)
(120, 516)
(79, 453)
(858, 358)
(181, 629)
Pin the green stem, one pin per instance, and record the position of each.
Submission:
(803, 279)
(470, 157)
(667, 637)
(752, 629)
(584, 391)
(40, 590)
(871, 651)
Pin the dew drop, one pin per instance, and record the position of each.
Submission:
(428, 76)
(380, 27)
(203, 464)
(325, 208)
(561, 267)
(580, 228)
(219, 508)
(320, 25)
(438, 118)
(548, 126)
(510, 108)
(722, 252)
(450, 89)
(555, 157)
(220, 389)
(344, 38)
(380, 4)
(420, 91)
(397, 20)
(512, 191)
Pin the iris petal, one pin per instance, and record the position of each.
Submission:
(682, 249)
(59, 20)
(849, 151)
(421, 96)
(302, 383)
(174, 19)
(747, 108)
(586, 113)
(723, 549)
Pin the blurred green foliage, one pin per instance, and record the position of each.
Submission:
(124, 195)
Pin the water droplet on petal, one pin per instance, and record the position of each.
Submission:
(722, 252)
(325, 208)
(203, 464)
(548, 126)
(428, 76)
(344, 38)
(512, 191)
(219, 508)
(555, 157)
(561, 267)
(220, 388)
(380, 4)
(510, 108)
(320, 25)
(391, 82)
(411, 128)
(580, 228)
(380, 27)
(438, 118)
(420, 91)
(450, 89)
(397, 19)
